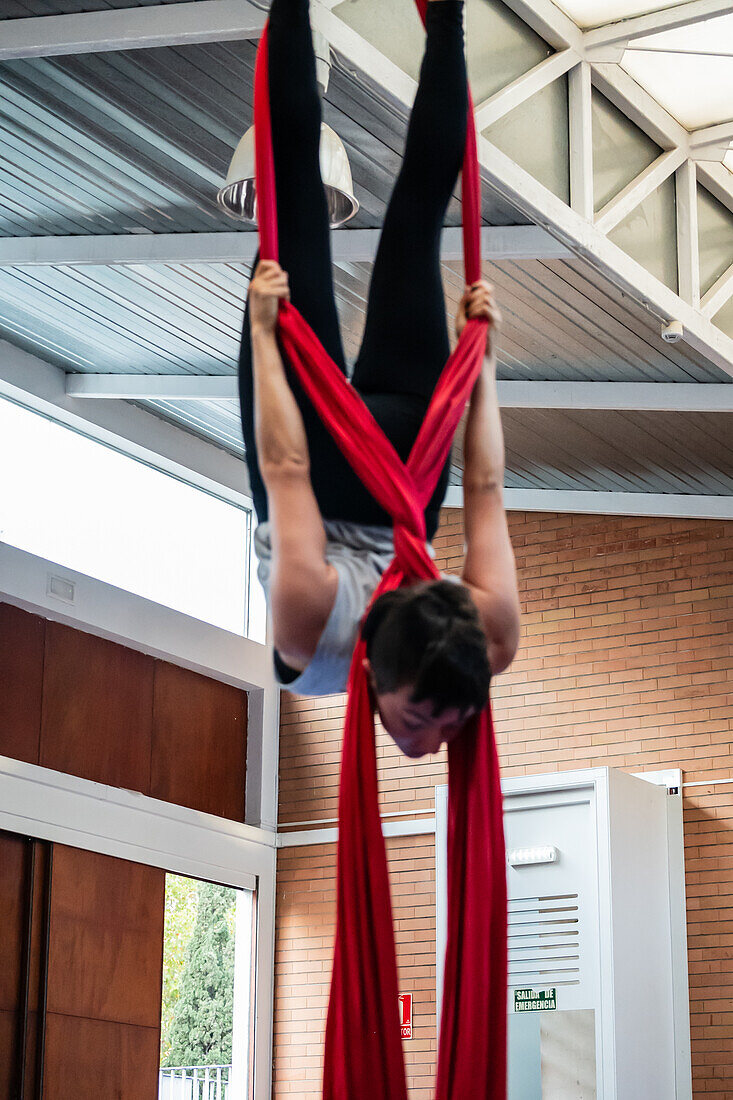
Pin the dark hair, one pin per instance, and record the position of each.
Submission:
(429, 636)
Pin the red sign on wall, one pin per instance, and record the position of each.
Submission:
(405, 1000)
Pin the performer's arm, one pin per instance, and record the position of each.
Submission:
(303, 584)
(489, 569)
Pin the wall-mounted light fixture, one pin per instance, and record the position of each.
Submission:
(526, 857)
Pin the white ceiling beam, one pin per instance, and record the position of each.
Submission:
(688, 241)
(716, 179)
(711, 152)
(637, 396)
(639, 189)
(523, 88)
(152, 387)
(399, 88)
(680, 397)
(128, 248)
(645, 46)
(507, 242)
(720, 292)
(712, 135)
(38, 385)
(132, 28)
(549, 22)
(581, 140)
(712, 142)
(668, 19)
(502, 242)
(598, 503)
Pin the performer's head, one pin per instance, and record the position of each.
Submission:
(427, 663)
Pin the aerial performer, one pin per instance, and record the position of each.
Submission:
(323, 541)
(348, 478)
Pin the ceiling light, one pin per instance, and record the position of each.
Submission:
(238, 196)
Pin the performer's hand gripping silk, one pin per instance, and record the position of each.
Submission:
(323, 542)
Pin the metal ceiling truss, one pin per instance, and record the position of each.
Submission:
(588, 62)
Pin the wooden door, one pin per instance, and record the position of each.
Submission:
(104, 978)
(23, 891)
(14, 856)
(80, 974)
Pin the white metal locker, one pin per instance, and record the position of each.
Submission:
(596, 924)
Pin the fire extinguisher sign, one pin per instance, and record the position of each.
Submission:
(405, 1000)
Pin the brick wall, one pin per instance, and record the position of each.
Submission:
(626, 660)
(306, 924)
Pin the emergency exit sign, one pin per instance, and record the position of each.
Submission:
(405, 1000)
(535, 1000)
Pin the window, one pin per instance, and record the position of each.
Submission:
(74, 501)
(206, 1003)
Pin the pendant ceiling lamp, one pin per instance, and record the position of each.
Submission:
(238, 196)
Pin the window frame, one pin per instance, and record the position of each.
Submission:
(64, 809)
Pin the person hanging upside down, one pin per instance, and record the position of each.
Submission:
(322, 541)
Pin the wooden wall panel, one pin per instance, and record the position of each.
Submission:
(21, 676)
(106, 938)
(97, 709)
(13, 855)
(8, 1039)
(199, 742)
(97, 1060)
(88, 707)
(31, 1065)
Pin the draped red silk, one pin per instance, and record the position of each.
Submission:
(363, 1057)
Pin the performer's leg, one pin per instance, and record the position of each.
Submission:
(406, 342)
(304, 235)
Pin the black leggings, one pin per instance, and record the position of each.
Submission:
(406, 343)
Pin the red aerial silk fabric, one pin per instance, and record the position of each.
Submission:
(363, 1057)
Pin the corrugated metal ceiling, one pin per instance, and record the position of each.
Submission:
(628, 452)
(140, 141)
(166, 319)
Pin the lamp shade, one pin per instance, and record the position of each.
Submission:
(238, 196)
